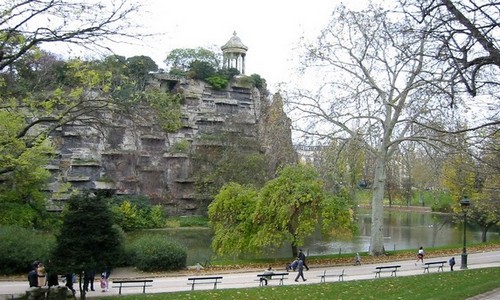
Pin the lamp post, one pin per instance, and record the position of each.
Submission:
(464, 204)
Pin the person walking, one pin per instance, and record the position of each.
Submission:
(420, 255)
(300, 271)
(105, 279)
(357, 260)
(452, 263)
(302, 257)
(70, 278)
(88, 279)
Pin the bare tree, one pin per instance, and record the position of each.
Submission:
(467, 33)
(379, 86)
(26, 24)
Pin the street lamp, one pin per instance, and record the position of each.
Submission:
(464, 204)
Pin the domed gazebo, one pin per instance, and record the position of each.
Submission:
(234, 53)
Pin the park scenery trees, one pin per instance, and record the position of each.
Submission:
(397, 114)
(87, 239)
(286, 210)
(389, 86)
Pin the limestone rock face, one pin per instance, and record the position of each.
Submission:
(137, 157)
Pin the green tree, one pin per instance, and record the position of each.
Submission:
(230, 216)
(138, 69)
(201, 70)
(291, 207)
(88, 240)
(288, 208)
(181, 59)
(22, 201)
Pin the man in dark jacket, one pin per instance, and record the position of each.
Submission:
(33, 278)
(302, 257)
(88, 279)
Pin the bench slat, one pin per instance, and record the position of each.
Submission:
(438, 264)
(324, 275)
(195, 279)
(392, 269)
(124, 284)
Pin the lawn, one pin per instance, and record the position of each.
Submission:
(447, 285)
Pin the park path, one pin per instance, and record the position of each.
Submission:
(247, 279)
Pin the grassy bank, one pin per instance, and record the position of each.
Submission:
(448, 285)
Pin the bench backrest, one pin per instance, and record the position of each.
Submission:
(132, 281)
(388, 267)
(202, 278)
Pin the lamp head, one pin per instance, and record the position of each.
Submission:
(465, 203)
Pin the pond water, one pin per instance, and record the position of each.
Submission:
(402, 230)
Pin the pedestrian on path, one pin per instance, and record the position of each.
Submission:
(302, 257)
(357, 261)
(88, 279)
(452, 263)
(300, 269)
(420, 255)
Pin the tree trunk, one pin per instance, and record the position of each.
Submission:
(295, 251)
(483, 233)
(83, 295)
(377, 230)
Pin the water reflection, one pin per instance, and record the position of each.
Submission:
(402, 230)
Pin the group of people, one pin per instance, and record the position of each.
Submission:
(38, 277)
(298, 265)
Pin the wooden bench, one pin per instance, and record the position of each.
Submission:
(204, 280)
(324, 275)
(438, 264)
(269, 276)
(392, 269)
(143, 283)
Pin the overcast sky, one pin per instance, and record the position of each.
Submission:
(270, 29)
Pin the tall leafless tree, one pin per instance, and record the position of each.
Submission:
(467, 32)
(378, 86)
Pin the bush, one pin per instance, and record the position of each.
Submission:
(218, 82)
(20, 247)
(156, 253)
(136, 212)
(181, 146)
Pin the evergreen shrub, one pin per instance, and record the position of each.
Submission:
(20, 247)
(157, 253)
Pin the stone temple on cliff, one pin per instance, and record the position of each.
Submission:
(131, 156)
(233, 53)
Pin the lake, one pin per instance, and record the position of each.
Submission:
(402, 230)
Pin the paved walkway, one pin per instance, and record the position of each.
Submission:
(249, 279)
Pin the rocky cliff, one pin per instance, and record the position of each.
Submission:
(136, 157)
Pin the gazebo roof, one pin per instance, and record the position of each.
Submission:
(234, 45)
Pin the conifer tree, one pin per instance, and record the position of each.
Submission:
(88, 240)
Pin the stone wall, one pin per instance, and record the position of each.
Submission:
(136, 157)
